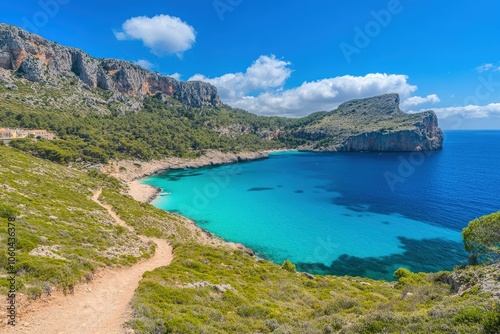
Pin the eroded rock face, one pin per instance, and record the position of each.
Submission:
(426, 136)
(37, 59)
(375, 124)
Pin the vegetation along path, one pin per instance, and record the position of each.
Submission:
(100, 307)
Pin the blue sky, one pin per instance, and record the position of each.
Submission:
(292, 58)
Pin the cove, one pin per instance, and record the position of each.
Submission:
(359, 214)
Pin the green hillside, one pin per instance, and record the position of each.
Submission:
(69, 237)
(94, 126)
(161, 128)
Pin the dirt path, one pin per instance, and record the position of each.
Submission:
(99, 307)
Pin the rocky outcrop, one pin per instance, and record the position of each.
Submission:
(374, 124)
(425, 137)
(37, 59)
(129, 170)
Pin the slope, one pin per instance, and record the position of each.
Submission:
(102, 306)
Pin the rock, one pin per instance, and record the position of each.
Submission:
(7, 187)
(223, 288)
(245, 249)
(11, 86)
(47, 251)
(218, 287)
(309, 275)
(37, 59)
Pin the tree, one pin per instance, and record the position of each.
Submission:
(482, 237)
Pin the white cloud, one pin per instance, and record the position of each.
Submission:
(175, 75)
(469, 112)
(162, 34)
(266, 72)
(325, 94)
(145, 64)
(267, 75)
(418, 100)
(487, 67)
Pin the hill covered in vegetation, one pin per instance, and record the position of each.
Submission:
(64, 237)
(104, 109)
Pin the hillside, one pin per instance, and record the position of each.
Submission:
(64, 238)
(105, 109)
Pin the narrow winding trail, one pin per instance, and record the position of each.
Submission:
(99, 307)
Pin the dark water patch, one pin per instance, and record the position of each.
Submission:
(328, 189)
(279, 186)
(203, 222)
(347, 214)
(259, 189)
(299, 191)
(386, 223)
(177, 175)
(357, 208)
(426, 255)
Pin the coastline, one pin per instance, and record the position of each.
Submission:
(132, 171)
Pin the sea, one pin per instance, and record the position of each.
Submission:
(358, 214)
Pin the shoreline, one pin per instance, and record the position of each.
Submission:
(131, 172)
(134, 170)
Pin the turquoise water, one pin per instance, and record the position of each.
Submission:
(362, 214)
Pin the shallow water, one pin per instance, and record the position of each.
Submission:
(362, 214)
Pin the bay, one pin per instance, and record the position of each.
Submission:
(358, 214)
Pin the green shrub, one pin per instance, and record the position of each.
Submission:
(406, 277)
(491, 321)
(288, 266)
(7, 211)
(469, 315)
(34, 292)
(402, 272)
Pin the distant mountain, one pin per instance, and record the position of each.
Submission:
(108, 108)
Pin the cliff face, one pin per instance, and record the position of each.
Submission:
(374, 124)
(37, 59)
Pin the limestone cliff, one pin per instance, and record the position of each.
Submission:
(374, 124)
(37, 59)
(42, 76)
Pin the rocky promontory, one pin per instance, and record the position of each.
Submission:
(39, 60)
(373, 124)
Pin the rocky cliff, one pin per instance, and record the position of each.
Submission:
(43, 78)
(374, 124)
(39, 60)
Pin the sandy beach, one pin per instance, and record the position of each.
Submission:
(142, 192)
